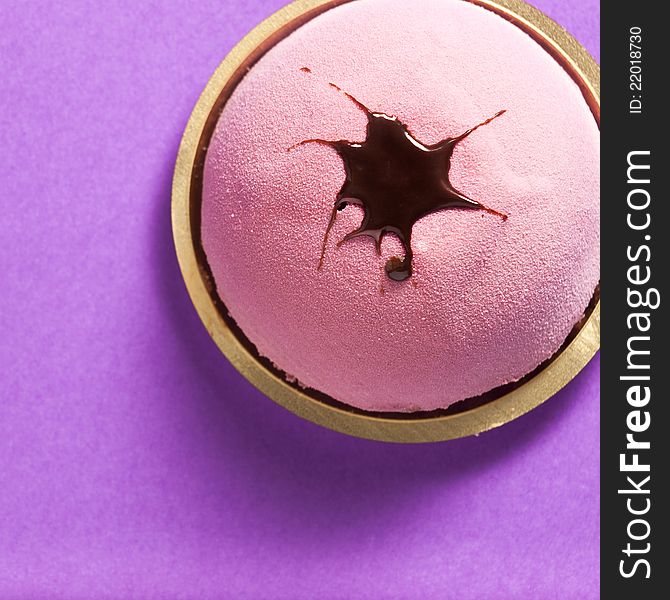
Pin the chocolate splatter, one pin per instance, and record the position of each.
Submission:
(396, 179)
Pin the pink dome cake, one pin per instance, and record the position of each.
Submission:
(400, 204)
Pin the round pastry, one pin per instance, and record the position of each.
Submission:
(400, 204)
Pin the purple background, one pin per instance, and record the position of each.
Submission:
(134, 461)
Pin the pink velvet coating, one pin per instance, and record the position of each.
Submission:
(489, 299)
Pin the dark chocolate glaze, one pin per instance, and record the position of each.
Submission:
(396, 179)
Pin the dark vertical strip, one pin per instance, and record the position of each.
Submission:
(635, 364)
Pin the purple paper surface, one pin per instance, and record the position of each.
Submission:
(134, 461)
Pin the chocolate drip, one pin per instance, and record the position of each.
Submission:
(396, 179)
